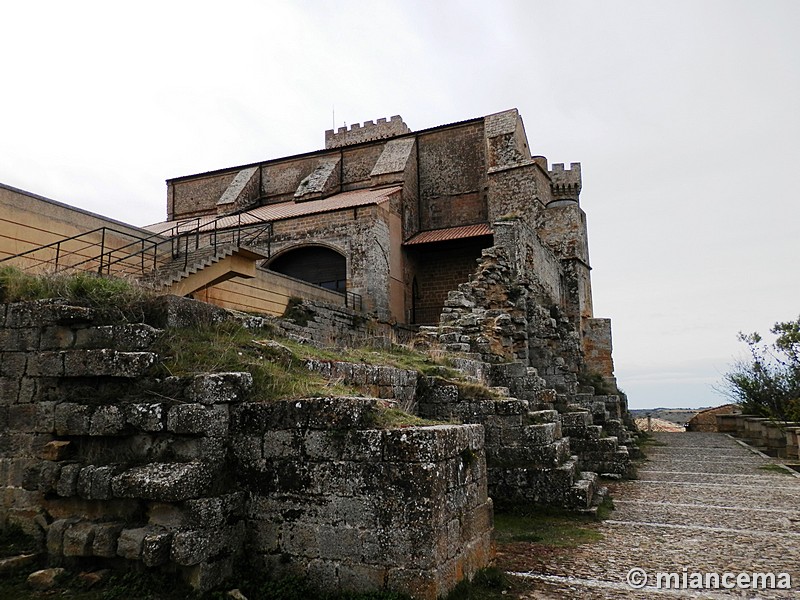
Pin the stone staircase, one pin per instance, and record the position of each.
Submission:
(182, 267)
(528, 458)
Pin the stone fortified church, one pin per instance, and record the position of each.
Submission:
(401, 218)
(455, 238)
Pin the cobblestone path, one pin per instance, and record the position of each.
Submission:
(703, 503)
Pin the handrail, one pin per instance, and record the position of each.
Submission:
(178, 237)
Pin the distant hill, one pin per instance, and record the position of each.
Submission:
(679, 416)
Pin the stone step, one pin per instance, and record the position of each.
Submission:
(544, 416)
(539, 435)
(576, 419)
(591, 432)
(129, 337)
(90, 363)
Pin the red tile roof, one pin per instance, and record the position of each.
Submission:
(450, 233)
(287, 210)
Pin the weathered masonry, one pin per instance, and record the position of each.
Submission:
(108, 465)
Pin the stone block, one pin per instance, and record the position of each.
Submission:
(145, 416)
(338, 543)
(331, 413)
(417, 583)
(301, 539)
(425, 444)
(78, 539)
(107, 419)
(46, 579)
(29, 389)
(39, 313)
(511, 406)
(217, 388)
(84, 484)
(101, 481)
(14, 564)
(49, 474)
(169, 311)
(538, 435)
(442, 394)
(285, 443)
(72, 419)
(12, 364)
(126, 337)
(55, 535)
(56, 337)
(156, 548)
(105, 539)
(264, 536)
(19, 340)
(22, 417)
(55, 450)
(361, 577)
(9, 390)
(192, 547)
(576, 419)
(45, 417)
(363, 446)
(106, 363)
(45, 364)
(198, 419)
(210, 574)
(129, 543)
(167, 482)
(67, 485)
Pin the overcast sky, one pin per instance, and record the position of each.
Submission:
(685, 116)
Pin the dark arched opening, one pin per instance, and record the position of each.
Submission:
(316, 264)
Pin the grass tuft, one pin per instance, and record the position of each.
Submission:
(85, 289)
(773, 468)
(547, 526)
(277, 374)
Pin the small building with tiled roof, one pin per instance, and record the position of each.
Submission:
(706, 420)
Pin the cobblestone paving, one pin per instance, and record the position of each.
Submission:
(703, 503)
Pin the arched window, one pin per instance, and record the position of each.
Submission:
(316, 264)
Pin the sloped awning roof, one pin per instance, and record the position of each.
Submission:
(450, 233)
(286, 210)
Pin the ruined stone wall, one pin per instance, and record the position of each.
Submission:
(528, 460)
(334, 326)
(103, 462)
(529, 259)
(597, 347)
(355, 507)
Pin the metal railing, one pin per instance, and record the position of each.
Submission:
(111, 251)
(353, 300)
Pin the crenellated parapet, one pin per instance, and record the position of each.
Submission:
(367, 132)
(566, 183)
